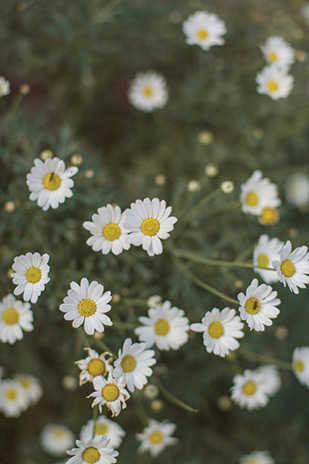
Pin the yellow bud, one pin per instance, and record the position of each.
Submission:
(9, 206)
(46, 154)
(77, 159)
(160, 179)
(211, 170)
(205, 137)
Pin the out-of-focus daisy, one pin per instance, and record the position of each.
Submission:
(31, 387)
(300, 364)
(110, 392)
(269, 216)
(104, 426)
(204, 29)
(156, 437)
(297, 190)
(87, 304)
(166, 327)
(274, 82)
(266, 251)
(148, 91)
(56, 439)
(257, 193)
(133, 364)
(278, 52)
(94, 365)
(305, 12)
(220, 331)
(148, 222)
(270, 378)
(31, 275)
(293, 267)
(258, 305)
(4, 87)
(12, 398)
(257, 457)
(154, 301)
(108, 233)
(15, 317)
(248, 391)
(49, 182)
(97, 450)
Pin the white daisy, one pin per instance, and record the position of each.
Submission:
(86, 304)
(220, 331)
(49, 182)
(269, 216)
(56, 439)
(258, 193)
(133, 364)
(267, 250)
(31, 275)
(204, 29)
(12, 398)
(111, 392)
(300, 364)
(248, 391)
(93, 365)
(15, 317)
(148, 223)
(274, 82)
(257, 457)
(166, 327)
(108, 233)
(278, 52)
(297, 190)
(31, 387)
(270, 379)
(4, 87)
(293, 267)
(97, 450)
(148, 91)
(156, 437)
(104, 426)
(258, 305)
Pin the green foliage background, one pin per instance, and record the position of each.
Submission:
(78, 57)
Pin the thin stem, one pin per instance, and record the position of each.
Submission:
(141, 413)
(246, 252)
(257, 357)
(169, 396)
(95, 413)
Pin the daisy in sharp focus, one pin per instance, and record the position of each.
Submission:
(148, 91)
(56, 439)
(133, 364)
(220, 331)
(110, 392)
(156, 437)
(148, 222)
(12, 398)
(258, 306)
(293, 267)
(278, 52)
(94, 365)
(274, 82)
(300, 364)
(31, 387)
(257, 457)
(248, 391)
(15, 316)
(31, 275)
(166, 327)
(104, 426)
(97, 450)
(4, 87)
(204, 29)
(267, 250)
(270, 378)
(87, 304)
(257, 193)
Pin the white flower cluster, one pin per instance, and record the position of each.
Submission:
(18, 394)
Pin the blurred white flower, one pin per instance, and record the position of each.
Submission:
(15, 316)
(156, 437)
(278, 52)
(103, 426)
(271, 381)
(31, 388)
(300, 364)
(13, 400)
(4, 87)
(257, 193)
(274, 82)
(148, 91)
(56, 439)
(257, 457)
(204, 29)
(297, 190)
(248, 391)
(266, 251)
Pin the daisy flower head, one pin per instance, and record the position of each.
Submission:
(133, 364)
(278, 52)
(257, 457)
(220, 331)
(110, 392)
(31, 387)
(94, 365)
(156, 437)
(267, 250)
(248, 391)
(274, 82)
(31, 275)
(108, 233)
(12, 398)
(297, 190)
(257, 193)
(258, 306)
(270, 378)
(269, 216)
(4, 87)
(56, 439)
(87, 304)
(104, 426)
(300, 365)
(93, 450)
(166, 327)
(148, 222)
(148, 91)
(15, 317)
(204, 29)
(293, 267)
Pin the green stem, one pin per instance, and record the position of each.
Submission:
(141, 413)
(246, 253)
(95, 413)
(169, 396)
(257, 357)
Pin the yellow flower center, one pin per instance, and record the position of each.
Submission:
(87, 307)
(162, 327)
(249, 388)
(52, 181)
(11, 394)
(10, 316)
(252, 305)
(101, 429)
(58, 433)
(252, 461)
(25, 383)
(215, 329)
(287, 268)
(202, 34)
(298, 365)
(91, 455)
(155, 437)
(96, 367)
(110, 392)
(33, 274)
(150, 227)
(111, 231)
(148, 91)
(128, 363)
(272, 56)
(252, 199)
(269, 217)
(263, 260)
(272, 86)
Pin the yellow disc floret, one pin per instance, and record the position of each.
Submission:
(272, 86)
(215, 329)
(287, 268)
(52, 181)
(58, 433)
(269, 216)
(148, 91)
(150, 227)
(128, 363)
(162, 327)
(11, 394)
(272, 56)
(91, 455)
(110, 392)
(96, 367)
(101, 429)
(249, 388)
(87, 307)
(10, 316)
(252, 199)
(111, 231)
(156, 437)
(252, 305)
(33, 274)
(298, 365)
(202, 34)
(263, 260)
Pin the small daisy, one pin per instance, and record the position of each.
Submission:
(111, 392)
(86, 304)
(31, 275)
(204, 29)
(93, 365)
(300, 364)
(270, 379)
(293, 267)
(257, 457)
(49, 182)
(133, 364)
(148, 222)
(267, 250)
(4, 87)
(15, 317)
(56, 439)
(156, 437)
(278, 52)
(108, 233)
(297, 190)
(166, 327)
(148, 91)
(104, 426)
(12, 398)
(97, 450)
(258, 305)
(258, 193)
(248, 391)
(274, 82)
(220, 331)
(269, 216)
(31, 387)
